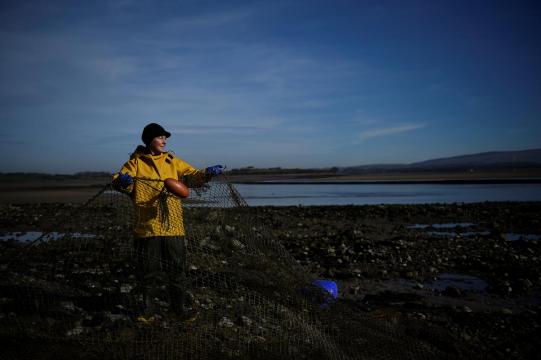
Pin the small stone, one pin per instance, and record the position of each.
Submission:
(354, 290)
(68, 305)
(77, 330)
(411, 274)
(259, 339)
(226, 322)
(126, 288)
(246, 321)
(236, 243)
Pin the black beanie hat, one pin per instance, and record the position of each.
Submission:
(151, 131)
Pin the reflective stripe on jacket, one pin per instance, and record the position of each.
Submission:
(157, 215)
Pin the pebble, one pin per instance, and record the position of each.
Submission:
(246, 321)
(126, 288)
(226, 322)
(77, 330)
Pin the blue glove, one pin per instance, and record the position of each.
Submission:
(125, 180)
(214, 170)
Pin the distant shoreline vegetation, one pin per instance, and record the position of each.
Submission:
(49, 176)
(395, 169)
(517, 170)
(525, 163)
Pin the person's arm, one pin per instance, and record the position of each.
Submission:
(191, 176)
(123, 180)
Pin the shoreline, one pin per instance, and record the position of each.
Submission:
(393, 182)
(78, 191)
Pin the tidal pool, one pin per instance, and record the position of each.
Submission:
(29, 236)
(527, 237)
(462, 282)
(440, 226)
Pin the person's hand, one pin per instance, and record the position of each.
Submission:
(214, 170)
(125, 180)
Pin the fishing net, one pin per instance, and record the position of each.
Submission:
(85, 290)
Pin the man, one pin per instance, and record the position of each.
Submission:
(159, 227)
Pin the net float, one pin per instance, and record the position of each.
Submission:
(176, 187)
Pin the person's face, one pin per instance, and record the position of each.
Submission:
(157, 146)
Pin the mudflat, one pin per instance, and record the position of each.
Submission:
(469, 271)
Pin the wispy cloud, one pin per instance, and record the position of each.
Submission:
(232, 130)
(367, 121)
(208, 21)
(373, 133)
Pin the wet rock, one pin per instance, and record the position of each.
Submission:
(77, 330)
(411, 274)
(354, 290)
(237, 244)
(245, 320)
(67, 305)
(506, 311)
(452, 291)
(226, 322)
(524, 285)
(126, 288)
(419, 316)
(117, 317)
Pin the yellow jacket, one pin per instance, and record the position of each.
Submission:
(157, 214)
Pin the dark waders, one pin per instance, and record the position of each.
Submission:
(161, 261)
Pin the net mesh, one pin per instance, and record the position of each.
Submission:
(77, 292)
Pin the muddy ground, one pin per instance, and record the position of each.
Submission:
(471, 269)
(451, 265)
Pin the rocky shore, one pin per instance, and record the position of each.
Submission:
(472, 270)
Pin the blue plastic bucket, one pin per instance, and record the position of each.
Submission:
(329, 286)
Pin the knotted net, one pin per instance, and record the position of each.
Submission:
(77, 292)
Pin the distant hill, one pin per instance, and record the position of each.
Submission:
(495, 160)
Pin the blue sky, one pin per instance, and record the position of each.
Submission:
(266, 83)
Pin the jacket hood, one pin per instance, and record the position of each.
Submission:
(142, 151)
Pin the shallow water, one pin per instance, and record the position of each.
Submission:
(453, 234)
(359, 194)
(440, 226)
(462, 282)
(527, 237)
(30, 236)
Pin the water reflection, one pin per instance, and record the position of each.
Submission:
(440, 226)
(361, 194)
